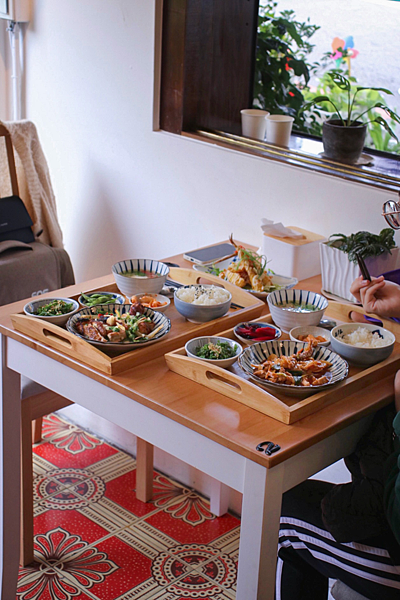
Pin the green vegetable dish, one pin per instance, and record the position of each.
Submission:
(219, 350)
(54, 308)
(95, 299)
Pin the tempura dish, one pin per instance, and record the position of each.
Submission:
(119, 326)
(293, 368)
(248, 270)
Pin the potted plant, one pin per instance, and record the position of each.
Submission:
(343, 137)
(339, 265)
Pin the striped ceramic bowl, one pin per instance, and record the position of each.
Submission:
(258, 353)
(140, 275)
(296, 308)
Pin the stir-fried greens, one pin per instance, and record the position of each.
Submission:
(216, 351)
(54, 309)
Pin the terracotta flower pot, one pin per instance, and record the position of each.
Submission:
(343, 144)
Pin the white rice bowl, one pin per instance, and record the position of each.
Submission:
(203, 296)
(364, 338)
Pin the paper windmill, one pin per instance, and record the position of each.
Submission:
(343, 50)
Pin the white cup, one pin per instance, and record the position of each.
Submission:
(279, 128)
(253, 123)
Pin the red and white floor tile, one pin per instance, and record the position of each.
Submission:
(95, 541)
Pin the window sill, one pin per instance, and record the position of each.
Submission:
(383, 172)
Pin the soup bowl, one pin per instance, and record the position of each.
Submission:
(296, 308)
(140, 275)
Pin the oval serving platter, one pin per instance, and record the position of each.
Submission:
(158, 318)
(259, 352)
(283, 282)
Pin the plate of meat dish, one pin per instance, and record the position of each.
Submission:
(293, 368)
(119, 327)
(248, 270)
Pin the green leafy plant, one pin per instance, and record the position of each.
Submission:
(363, 243)
(351, 92)
(281, 69)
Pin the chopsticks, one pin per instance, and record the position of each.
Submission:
(363, 267)
(177, 285)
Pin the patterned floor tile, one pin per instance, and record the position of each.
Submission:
(95, 541)
(64, 444)
(183, 532)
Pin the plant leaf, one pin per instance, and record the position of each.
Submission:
(385, 125)
(374, 89)
(342, 82)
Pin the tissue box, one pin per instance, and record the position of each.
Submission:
(294, 258)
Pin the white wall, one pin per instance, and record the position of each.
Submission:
(124, 190)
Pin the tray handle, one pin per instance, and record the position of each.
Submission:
(59, 339)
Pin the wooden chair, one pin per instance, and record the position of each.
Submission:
(36, 402)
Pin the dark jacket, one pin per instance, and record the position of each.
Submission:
(355, 511)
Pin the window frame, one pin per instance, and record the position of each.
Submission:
(207, 75)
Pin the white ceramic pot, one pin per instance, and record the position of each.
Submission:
(338, 273)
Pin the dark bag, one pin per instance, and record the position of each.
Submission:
(15, 222)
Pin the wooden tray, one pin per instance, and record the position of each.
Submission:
(181, 330)
(235, 384)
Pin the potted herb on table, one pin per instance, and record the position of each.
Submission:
(343, 137)
(339, 265)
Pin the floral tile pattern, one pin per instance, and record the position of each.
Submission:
(95, 541)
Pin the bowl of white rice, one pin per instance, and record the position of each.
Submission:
(362, 344)
(201, 303)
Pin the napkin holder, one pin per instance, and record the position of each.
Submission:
(293, 257)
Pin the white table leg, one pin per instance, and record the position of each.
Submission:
(10, 410)
(262, 499)
(219, 498)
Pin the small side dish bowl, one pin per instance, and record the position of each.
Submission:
(295, 308)
(192, 347)
(362, 356)
(156, 302)
(33, 306)
(201, 313)
(310, 330)
(258, 353)
(100, 297)
(140, 275)
(249, 333)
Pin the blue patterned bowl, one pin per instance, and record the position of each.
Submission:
(152, 281)
(287, 319)
(258, 353)
(192, 346)
(158, 319)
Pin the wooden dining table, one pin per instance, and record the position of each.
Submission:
(201, 427)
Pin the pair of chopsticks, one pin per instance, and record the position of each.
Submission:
(363, 267)
(177, 285)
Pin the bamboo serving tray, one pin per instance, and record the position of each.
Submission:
(181, 331)
(235, 384)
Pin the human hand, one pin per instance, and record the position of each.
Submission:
(380, 297)
(359, 284)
